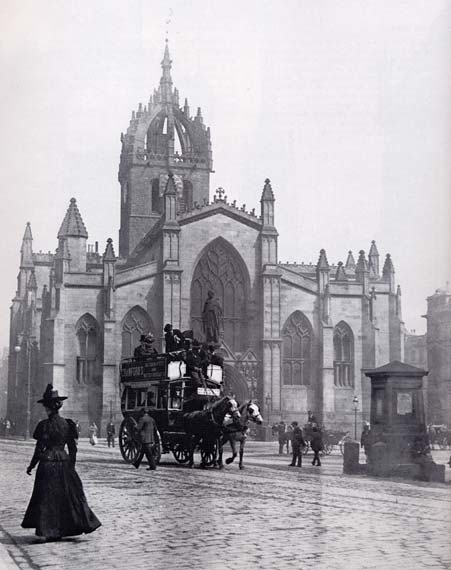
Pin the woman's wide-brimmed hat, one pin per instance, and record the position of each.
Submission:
(50, 395)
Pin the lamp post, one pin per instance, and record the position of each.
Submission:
(17, 349)
(355, 401)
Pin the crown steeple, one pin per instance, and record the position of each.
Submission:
(166, 79)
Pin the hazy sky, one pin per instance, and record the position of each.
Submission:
(343, 104)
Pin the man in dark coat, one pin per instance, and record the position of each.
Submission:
(317, 445)
(147, 431)
(145, 349)
(110, 433)
(297, 444)
(195, 363)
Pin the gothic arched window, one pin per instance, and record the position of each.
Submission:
(297, 335)
(187, 196)
(86, 331)
(136, 323)
(221, 270)
(343, 355)
(155, 200)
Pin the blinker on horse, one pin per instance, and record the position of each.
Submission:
(249, 412)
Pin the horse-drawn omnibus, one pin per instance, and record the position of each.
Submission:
(163, 386)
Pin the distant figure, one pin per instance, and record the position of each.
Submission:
(147, 431)
(78, 427)
(110, 433)
(311, 419)
(171, 340)
(7, 428)
(93, 430)
(211, 318)
(195, 363)
(365, 440)
(58, 505)
(281, 429)
(297, 444)
(145, 349)
(316, 443)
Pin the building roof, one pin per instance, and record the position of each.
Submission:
(396, 368)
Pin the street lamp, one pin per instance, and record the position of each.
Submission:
(268, 403)
(355, 401)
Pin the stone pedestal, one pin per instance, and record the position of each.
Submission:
(351, 457)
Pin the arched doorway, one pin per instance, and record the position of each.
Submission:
(222, 270)
(135, 323)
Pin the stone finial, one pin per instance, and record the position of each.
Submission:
(362, 264)
(267, 193)
(32, 284)
(322, 261)
(388, 266)
(109, 251)
(170, 185)
(219, 193)
(340, 275)
(73, 225)
(350, 262)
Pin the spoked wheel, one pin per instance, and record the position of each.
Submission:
(128, 442)
(208, 452)
(181, 453)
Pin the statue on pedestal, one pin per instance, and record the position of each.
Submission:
(212, 319)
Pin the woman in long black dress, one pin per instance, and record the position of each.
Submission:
(58, 504)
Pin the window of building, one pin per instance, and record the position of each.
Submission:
(155, 198)
(297, 337)
(343, 356)
(87, 350)
(136, 323)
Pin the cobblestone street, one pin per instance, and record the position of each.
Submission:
(268, 516)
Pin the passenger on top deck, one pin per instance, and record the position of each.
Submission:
(173, 338)
(194, 363)
(145, 349)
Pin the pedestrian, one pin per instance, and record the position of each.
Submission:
(7, 428)
(148, 434)
(58, 506)
(281, 429)
(93, 431)
(110, 433)
(317, 445)
(78, 426)
(365, 440)
(297, 445)
(145, 349)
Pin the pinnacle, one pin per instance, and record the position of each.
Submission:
(267, 193)
(350, 261)
(27, 234)
(73, 225)
(109, 251)
(322, 261)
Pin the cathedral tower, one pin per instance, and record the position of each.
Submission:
(162, 139)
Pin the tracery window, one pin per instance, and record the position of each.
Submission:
(136, 323)
(221, 270)
(343, 355)
(297, 336)
(86, 331)
(155, 199)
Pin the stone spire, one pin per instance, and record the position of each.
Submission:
(166, 79)
(350, 262)
(26, 251)
(322, 271)
(73, 225)
(109, 251)
(388, 272)
(373, 258)
(340, 275)
(267, 204)
(362, 271)
(32, 284)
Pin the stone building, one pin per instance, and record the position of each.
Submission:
(295, 335)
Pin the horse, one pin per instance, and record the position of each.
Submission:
(250, 412)
(207, 425)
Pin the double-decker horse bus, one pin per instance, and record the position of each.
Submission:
(161, 384)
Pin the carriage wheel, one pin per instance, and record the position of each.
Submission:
(128, 443)
(181, 453)
(208, 453)
(328, 447)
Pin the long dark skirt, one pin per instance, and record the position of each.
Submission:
(58, 505)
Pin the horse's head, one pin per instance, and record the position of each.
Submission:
(253, 411)
(226, 405)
